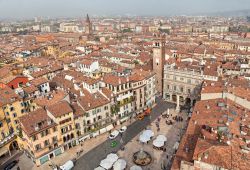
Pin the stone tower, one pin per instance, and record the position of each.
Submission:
(88, 27)
(158, 61)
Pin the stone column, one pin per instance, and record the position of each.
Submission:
(177, 103)
(170, 98)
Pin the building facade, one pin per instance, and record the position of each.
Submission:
(181, 85)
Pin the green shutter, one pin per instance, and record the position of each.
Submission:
(58, 151)
(44, 159)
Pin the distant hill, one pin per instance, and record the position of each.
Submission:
(237, 13)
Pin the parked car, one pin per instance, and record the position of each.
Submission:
(123, 129)
(10, 165)
(140, 116)
(114, 134)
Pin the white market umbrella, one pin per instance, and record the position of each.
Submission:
(148, 133)
(107, 164)
(112, 157)
(99, 168)
(135, 167)
(144, 139)
(161, 138)
(120, 164)
(158, 143)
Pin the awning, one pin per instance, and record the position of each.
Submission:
(103, 130)
(144, 139)
(112, 157)
(120, 164)
(109, 127)
(135, 167)
(148, 133)
(161, 138)
(124, 119)
(95, 134)
(83, 138)
(158, 143)
(107, 164)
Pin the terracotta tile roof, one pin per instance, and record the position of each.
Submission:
(60, 108)
(7, 95)
(30, 89)
(213, 86)
(38, 81)
(211, 69)
(108, 93)
(7, 79)
(201, 142)
(114, 80)
(91, 101)
(56, 97)
(139, 75)
(77, 110)
(31, 120)
(4, 71)
(86, 61)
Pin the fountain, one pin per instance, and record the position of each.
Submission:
(142, 158)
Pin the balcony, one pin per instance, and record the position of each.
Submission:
(125, 101)
(122, 97)
(7, 139)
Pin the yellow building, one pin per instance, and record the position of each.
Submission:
(40, 137)
(52, 49)
(62, 114)
(11, 108)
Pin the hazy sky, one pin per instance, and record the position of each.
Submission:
(57, 8)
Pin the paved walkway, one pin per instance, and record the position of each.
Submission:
(86, 147)
(97, 148)
(159, 157)
(91, 160)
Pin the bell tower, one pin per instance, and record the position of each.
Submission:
(88, 27)
(158, 61)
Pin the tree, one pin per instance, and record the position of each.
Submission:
(126, 30)
(136, 62)
(164, 30)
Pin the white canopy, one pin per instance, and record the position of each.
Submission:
(144, 139)
(107, 164)
(135, 167)
(112, 157)
(158, 143)
(99, 168)
(161, 138)
(67, 166)
(120, 164)
(149, 133)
